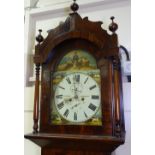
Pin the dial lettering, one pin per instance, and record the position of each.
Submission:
(95, 97)
(92, 87)
(92, 107)
(66, 113)
(85, 115)
(86, 80)
(77, 78)
(60, 105)
(68, 80)
(75, 116)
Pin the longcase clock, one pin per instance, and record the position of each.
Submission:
(81, 109)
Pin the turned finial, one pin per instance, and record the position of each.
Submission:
(113, 26)
(74, 7)
(39, 38)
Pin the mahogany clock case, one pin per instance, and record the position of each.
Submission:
(106, 84)
(78, 33)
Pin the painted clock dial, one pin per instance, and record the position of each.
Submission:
(76, 86)
(77, 97)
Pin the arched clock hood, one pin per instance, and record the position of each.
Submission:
(75, 27)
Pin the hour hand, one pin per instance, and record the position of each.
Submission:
(68, 99)
(76, 105)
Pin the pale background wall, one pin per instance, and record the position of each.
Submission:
(48, 14)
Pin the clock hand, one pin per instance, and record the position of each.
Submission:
(68, 99)
(75, 105)
(76, 96)
(84, 96)
(75, 90)
(79, 103)
(67, 96)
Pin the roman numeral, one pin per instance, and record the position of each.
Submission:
(66, 113)
(59, 96)
(86, 80)
(85, 115)
(95, 97)
(61, 87)
(77, 78)
(75, 116)
(92, 87)
(92, 107)
(60, 105)
(68, 80)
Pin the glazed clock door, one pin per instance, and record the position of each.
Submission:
(76, 87)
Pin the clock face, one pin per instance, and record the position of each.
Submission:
(77, 97)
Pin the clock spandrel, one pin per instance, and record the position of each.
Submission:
(80, 67)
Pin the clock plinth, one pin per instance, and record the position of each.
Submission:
(83, 116)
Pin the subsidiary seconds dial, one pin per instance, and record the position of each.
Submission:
(77, 97)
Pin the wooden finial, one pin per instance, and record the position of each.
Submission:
(113, 26)
(74, 7)
(39, 38)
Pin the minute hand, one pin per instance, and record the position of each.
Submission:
(75, 90)
(84, 96)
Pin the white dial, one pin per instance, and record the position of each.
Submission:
(77, 97)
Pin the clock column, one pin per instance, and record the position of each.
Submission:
(39, 39)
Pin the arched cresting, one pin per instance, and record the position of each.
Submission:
(72, 28)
